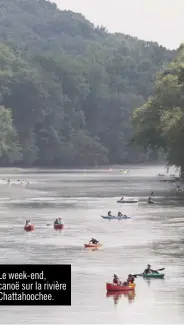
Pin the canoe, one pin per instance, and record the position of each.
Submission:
(115, 287)
(128, 201)
(59, 226)
(92, 245)
(115, 217)
(152, 275)
(29, 228)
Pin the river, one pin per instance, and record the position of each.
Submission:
(154, 234)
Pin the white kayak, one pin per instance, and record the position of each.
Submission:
(116, 217)
(128, 201)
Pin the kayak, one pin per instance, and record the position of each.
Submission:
(128, 201)
(59, 226)
(152, 275)
(92, 245)
(115, 217)
(115, 287)
(29, 228)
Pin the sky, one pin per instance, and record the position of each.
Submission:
(160, 21)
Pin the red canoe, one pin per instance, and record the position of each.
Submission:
(115, 287)
(59, 226)
(92, 245)
(29, 228)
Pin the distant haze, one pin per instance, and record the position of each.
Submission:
(160, 21)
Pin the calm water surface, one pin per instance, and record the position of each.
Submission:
(153, 235)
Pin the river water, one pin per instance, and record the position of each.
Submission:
(154, 235)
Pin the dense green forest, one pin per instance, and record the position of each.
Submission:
(68, 89)
(159, 123)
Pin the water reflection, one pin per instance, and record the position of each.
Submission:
(92, 249)
(116, 296)
(149, 281)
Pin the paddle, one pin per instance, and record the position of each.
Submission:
(156, 271)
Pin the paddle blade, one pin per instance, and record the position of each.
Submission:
(156, 271)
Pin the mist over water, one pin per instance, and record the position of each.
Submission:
(154, 235)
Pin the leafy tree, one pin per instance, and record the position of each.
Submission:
(160, 121)
(9, 147)
(72, 87)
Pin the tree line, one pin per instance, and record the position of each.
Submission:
(159, 123)
(68, 89)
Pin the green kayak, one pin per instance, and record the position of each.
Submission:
(152, 275)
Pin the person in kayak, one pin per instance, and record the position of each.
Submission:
(149, 270)
(94, 241)
(60, 221)
(122, 198)
(150, 200)
(120, 214)
(56, 222)
(116, 279)
(130, 279)
(28, 223)
(109, 214)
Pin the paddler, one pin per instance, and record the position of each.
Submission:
(120, 214)
(94, 241)
(56, 222)
(130, 279)
(150, 200)
(116, 279)
(109, 214)
(149, 270)
(28, 223)
(60, 221)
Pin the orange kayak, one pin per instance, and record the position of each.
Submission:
(115, 287)
(92, 245)
(29, 228)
